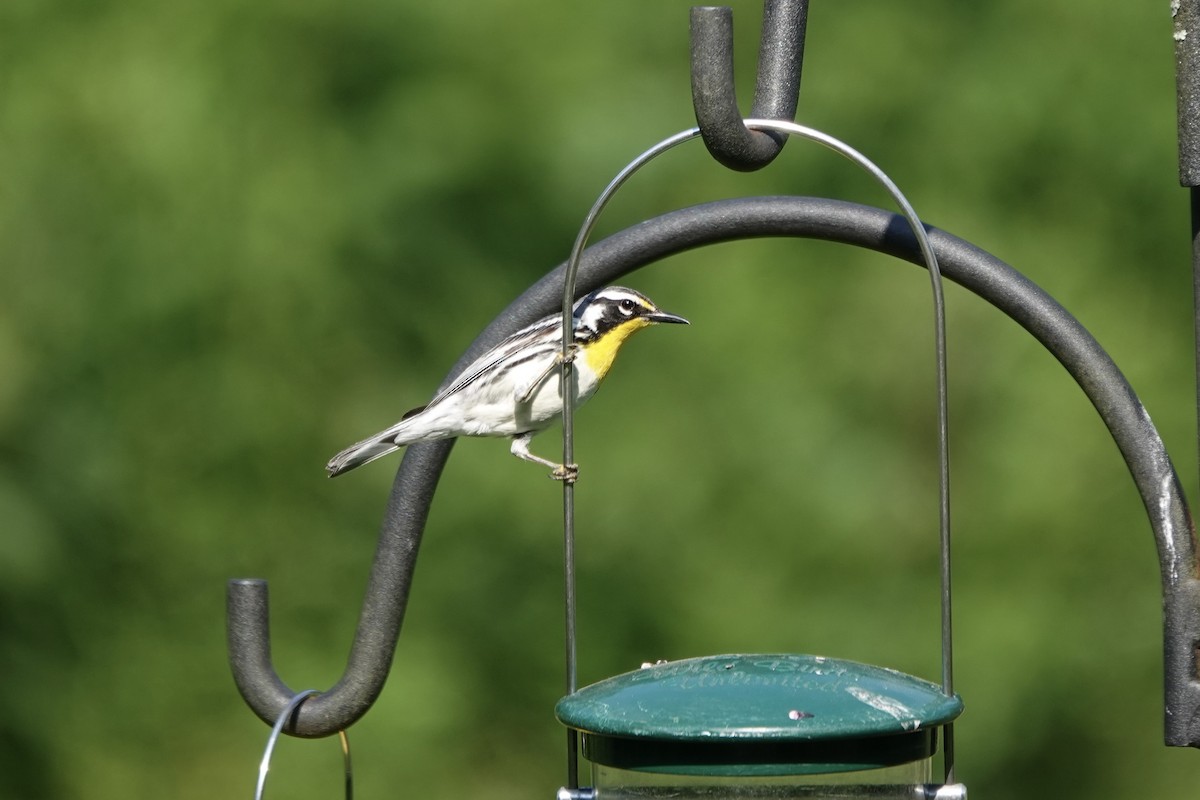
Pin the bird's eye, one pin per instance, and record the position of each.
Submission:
(626, 307)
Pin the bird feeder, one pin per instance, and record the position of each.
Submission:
(759, 726)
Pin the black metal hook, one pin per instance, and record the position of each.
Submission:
(776, 92)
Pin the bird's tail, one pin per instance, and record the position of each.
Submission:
(371, 448)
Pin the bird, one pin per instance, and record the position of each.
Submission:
(513, 389)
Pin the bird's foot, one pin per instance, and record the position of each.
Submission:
(567, 473)
(526, 394)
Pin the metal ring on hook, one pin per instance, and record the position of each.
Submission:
(265, 765)
(776, 91)
(939, 315)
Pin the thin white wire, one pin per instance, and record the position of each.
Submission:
(265, 765)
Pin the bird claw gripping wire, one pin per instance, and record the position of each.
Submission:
(567, 473)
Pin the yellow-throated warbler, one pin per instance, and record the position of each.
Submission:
(513, 389)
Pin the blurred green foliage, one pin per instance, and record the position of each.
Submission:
(236, 237)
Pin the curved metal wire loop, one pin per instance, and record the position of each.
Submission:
(265, 765)
(776, 91)
(939, 324)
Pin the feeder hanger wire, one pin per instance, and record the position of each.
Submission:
(939, 318)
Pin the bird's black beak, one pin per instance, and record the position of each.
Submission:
(662, 316)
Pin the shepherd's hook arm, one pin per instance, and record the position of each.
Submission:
(776, 93)
(379, 622)
(729, 220)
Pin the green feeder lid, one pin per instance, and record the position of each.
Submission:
(758, 715)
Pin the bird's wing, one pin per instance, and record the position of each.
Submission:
(535, 341)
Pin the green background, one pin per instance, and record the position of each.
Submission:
(236, 237)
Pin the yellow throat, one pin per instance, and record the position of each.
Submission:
(599, 355)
